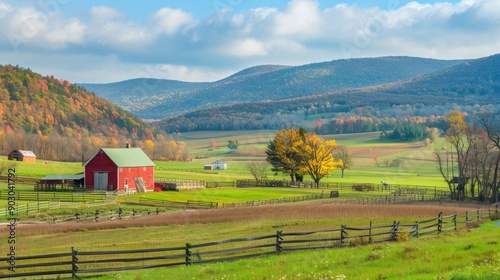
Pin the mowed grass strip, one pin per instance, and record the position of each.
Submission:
(451, 255)
(176, 228)
(226, 195)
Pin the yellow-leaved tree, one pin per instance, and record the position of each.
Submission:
(283, 153)
(296, 152)
(317, 156)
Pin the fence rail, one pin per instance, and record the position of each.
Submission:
(91, 197)
(181, 184)
(274, 201)
(190, 204)
(76, 263)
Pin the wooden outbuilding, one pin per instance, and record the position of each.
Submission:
(208, 167)
(22, 155)
(61, 182)
(126, 170)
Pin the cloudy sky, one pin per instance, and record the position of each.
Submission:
(205, 40)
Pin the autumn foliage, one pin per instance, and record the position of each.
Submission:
(62, 121)
(297, 152)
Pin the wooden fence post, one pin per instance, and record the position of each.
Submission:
(96, 215)
(343, 234)
(440, 222)
(370, 238)
(395, 231)
(188, 254)
(455, 221)
(279, 239)
(467, 218)
(74, 261)
(477, 214)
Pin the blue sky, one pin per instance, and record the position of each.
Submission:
(206, 40)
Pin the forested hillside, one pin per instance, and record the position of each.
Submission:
(468, 87)
(62, 121)
(160, 99)
(46, 105)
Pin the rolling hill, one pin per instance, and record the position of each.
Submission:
(160, 98)
(470, 83)
(46, 105)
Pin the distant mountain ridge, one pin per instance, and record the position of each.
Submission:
(470, 83)
(163, 98)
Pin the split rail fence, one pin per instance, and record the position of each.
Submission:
(79, 262)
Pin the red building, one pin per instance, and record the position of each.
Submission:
(120, 169)
(22, 155)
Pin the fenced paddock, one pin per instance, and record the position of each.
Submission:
(182, 184)
(36, 202)
(77, 263)
(91, 197)
(275, 201)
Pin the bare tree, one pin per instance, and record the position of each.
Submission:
(443, 166)
(341, 153)
(491, 124)
(459, 134)
(258, 169)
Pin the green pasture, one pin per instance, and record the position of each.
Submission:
(418, 169)
(226, 195)
(450, 255)
(41, 168)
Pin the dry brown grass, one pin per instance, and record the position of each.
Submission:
(290, 212)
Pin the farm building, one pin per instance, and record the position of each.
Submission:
(63, 182)
(22, 155)
(120, 169)
(219, 165)
(208, 167)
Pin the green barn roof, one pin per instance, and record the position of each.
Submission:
(52, 177)
(128, 157)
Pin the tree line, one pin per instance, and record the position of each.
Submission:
(470, 161)
(79, 149)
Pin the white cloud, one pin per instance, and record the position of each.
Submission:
(4, 9)
(103, 14)
(71, 33)
(169, 21)
(245, 48)
(489, 11)
(187, 47)
(301, 18)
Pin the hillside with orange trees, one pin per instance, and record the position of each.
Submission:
(46, 105)
(58, 120)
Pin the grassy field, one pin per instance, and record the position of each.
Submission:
(418, 168)
(473, 253)
(464, 255)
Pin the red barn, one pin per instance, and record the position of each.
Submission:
(22, 155)
(120, 169)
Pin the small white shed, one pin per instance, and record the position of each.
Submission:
(219, 165)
